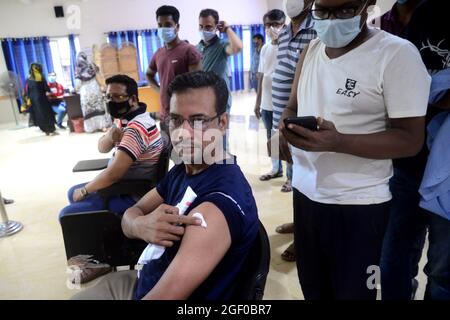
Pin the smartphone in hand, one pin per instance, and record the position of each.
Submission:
(306, 122)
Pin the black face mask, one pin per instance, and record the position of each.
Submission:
(118, 109)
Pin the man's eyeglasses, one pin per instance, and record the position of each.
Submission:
(339, 13)
(176, 121)
(116, 98)
(276, 25)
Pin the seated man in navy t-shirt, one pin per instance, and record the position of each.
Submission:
(201, 259)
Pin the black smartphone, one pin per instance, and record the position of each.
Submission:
(306, 122)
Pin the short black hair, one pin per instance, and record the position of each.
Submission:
(202, 79)
(130, 83)
(258, 36)
(210, 12)
(275, 15)
(168, 11)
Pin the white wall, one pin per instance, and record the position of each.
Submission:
(99, 16)
(6, 112)
(25, 18)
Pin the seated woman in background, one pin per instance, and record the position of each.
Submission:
(91, 97)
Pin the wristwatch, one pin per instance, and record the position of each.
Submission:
(84, 192)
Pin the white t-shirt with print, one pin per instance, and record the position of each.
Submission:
(267, 65)
(382, 78)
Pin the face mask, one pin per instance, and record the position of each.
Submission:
(337, 33)
(118, 109)
(167, 34)
(207, 35)
(294, 7)
(273, 33)
(401, 2)
(52, 79)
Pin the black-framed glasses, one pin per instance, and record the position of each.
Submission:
(176, 121)
(346, 12)
(116, 98)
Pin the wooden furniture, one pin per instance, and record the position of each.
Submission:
(73, 108)
(112, 61)
(150, 97)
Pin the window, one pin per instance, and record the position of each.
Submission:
(246, 39)
(61, 59)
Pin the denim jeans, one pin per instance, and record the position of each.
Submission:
(437, 268)
(267, 117)
(60, 110)
(93, 202)
(404, 239)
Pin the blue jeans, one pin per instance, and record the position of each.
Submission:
(437, 268)
(254, 81)
(60, 110)
(267, 117)
(93, 202)
(289, 171)
(404, 239)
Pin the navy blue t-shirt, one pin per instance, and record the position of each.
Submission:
(225, 186)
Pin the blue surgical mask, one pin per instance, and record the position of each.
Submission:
(207, 35)
(401, 2)
(167, 34)
(52, 79)
(337, 33)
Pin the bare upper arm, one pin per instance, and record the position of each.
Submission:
(413, 126)
(200, 252)
(120, 165)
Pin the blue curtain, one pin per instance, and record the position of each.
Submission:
(150, 43)
(236, 63)
(73, 58)
(20, 53)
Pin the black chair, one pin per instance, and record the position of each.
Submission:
(73, 108)
(103, 238)
(251, 281)
(99, 233)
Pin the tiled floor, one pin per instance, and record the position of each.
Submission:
(36, 171)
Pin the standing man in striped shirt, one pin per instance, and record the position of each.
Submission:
(293, 39)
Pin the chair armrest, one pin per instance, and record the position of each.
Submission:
(91, 165)
(99, 233)
(128, 187)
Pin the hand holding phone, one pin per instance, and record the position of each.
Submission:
(306, 122)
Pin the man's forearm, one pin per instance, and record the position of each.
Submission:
(289, 111)
(129, 222)
(152, 82)
(103, 180)
(105, 144)
(259, 92)
(235, 42)
(389, 144)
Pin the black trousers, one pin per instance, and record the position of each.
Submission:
(338, 248)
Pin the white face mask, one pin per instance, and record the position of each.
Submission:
(273, 33)
(293, 8)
